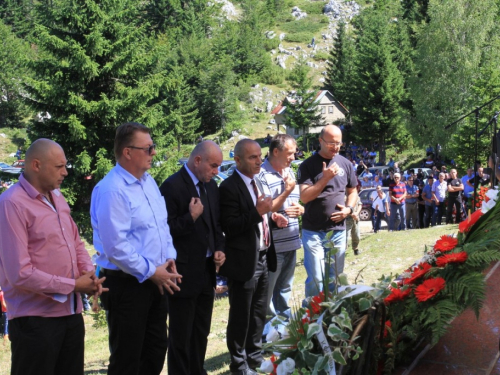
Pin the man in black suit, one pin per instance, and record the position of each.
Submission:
(246, 218)
(192, 200)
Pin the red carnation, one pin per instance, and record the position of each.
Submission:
(429, 288)
(315, 301)
(387, 324)
(467, 224)
(422, 269)
(460, 257)
(446, 243)
(396, 295)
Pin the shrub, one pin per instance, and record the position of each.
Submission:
(321, 56)
(273, 75)
(270, 44)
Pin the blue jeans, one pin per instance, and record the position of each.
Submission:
(314, 258)
(280, 287)
(378, 220)
(397, 218)
(280, 284)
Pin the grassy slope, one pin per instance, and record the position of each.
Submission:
(383, 253)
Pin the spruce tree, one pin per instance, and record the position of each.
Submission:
(378, 89)
(95, 69)
(302, 111)
(341, 65)
(12, 55)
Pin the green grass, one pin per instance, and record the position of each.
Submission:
(381, 253)
(9, 144)
(302, 26)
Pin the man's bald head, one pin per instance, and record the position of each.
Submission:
(330, 139)
(330, 131)
(45, 165)
(205, 160)
(204, 149)
(239, 149)
(41, 150)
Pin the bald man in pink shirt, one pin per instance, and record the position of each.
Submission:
(44, 267)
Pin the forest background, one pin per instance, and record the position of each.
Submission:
(73, 70)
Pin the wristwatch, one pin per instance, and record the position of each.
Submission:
(352, 209)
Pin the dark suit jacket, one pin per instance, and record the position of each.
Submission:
(240, 220)
(191, 238)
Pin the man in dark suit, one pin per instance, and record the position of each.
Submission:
(192, 200)
(246, 219)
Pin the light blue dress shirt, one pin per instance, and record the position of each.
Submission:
(129, 218)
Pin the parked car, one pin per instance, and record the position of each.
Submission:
(230, 171)
(219, 177)
(15, 168)
(4, 166)
(367, 196)
(384, 170)
(226, 164)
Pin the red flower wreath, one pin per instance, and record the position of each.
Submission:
(460, 257)
(429, 288)
(396, 295)
(446, 243)
(467, 224)
(422, 269)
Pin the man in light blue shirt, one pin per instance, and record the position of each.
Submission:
(468, 190)
(136, 254)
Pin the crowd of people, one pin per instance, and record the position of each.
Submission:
(159, 249)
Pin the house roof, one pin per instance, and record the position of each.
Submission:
(280, 108)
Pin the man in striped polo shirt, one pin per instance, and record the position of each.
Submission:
(397, 193)
(277, 175)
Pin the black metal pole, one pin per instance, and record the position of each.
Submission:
(494, 155)
(476, 180)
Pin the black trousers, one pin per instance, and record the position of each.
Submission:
(137, 320)
(189, 327)
(457, 202)
(48, 346)
(247, 315)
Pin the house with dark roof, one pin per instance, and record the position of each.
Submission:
(329, 107)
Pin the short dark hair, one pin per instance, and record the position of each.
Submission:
(124, 135)
(278, 142)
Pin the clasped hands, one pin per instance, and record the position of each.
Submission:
(89, 283)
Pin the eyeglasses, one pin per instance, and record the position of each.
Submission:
(149, 149)
(337, 144)
(410, 180)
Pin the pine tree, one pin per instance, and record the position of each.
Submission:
(95, 69)
(450, 51)
(378, 89)
(182, 114)
(12, 56)
(341, 65)
(302, 111)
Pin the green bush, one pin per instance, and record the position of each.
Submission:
(299, 37)
(270, 44)
(273, 75)
(321, 56)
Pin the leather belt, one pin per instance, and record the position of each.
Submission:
(116, 273)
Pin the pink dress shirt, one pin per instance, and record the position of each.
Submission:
(41, 254)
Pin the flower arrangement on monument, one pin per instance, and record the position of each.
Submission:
(330, 335)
